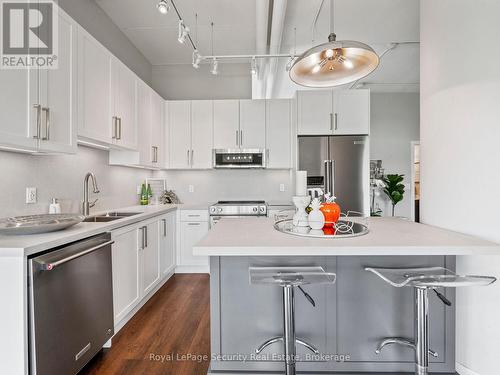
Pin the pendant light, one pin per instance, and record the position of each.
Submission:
(334, 63)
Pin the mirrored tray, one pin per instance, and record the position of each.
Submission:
(342, 229)
(35, 224)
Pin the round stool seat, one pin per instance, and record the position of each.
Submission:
(430, 277)
(290, 276)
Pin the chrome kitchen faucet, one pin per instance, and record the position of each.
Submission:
(86, 205)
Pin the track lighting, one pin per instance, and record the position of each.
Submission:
(163, 7)
(253, 68)
(196, 59)
(183, 32)
(215, 66)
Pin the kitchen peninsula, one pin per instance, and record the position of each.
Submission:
(350, 317)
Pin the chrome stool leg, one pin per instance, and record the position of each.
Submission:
(422, 331)
(289, 329)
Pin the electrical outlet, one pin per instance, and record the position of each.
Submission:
(30, 195)
(191, 188)
(282, 187)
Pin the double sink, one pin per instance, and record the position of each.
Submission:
(111, 216)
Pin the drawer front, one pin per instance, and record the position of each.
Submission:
(194, 215)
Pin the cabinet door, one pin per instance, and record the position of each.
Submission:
(58, 92)
(315, 112)
(191, 233)
(352, 112)
(150, 257)
(94, 89)
(253, 124)
(157, 145)
(180, 134)
(166, 136)
(278, 133)
(144, 123)
(167, 243)
(226, 124)
(125, 258)
(124, 103)
(201, 134)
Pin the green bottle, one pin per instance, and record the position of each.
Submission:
(149, 192)
(144, 195)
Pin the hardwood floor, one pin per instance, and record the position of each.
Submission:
(174, 322)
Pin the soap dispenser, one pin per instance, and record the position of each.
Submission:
(54, 207)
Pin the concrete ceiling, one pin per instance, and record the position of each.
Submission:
(375, 22)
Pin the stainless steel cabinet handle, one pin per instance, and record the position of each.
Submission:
(267, 157)
(50, 266)
(164, 227)
(241, 137)
(146, 236)
(188, 157)
(38, 108)
(113, 127)
(237, 138)
(194, 224)
(331, 121)
(119, 130)
(192, 157)
(155, 154)
(336, 121)
(47, 123)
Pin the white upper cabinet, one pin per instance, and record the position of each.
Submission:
(351, 109)
(201, 134)
(96, 120)
(339, 112)
(38, 106)
(58, 93)
(279, 133)
(252, 124)
(123, 102)
(179, 113)
(315, 112)
(157, 123)
(226, 124)
(144, 127)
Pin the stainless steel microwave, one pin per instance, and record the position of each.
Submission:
(239, 158)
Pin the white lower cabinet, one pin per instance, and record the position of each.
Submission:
(143, 257)
(193, 226)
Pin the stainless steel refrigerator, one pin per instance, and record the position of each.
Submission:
(339, 165)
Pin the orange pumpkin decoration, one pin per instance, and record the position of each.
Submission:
(331, 210)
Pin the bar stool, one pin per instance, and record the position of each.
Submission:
(288, 278)
(423, 280)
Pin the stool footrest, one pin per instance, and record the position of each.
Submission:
(280, 339)
(400, 341)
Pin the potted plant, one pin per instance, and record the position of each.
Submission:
(394, 188)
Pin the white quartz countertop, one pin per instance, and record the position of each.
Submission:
(35, 243)
(387, 236)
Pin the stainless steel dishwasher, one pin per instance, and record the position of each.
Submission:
(70, 305)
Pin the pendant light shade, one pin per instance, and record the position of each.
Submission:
(334, 63)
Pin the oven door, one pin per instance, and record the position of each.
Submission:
(239, 158)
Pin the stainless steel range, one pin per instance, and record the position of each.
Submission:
(236, 209)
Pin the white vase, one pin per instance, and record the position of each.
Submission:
(316, 217)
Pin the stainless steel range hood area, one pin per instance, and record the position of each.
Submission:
(239, 158)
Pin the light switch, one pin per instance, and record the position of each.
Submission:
(282, 187)
(191, 188)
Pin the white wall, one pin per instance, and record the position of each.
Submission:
(93, 19)
(460, 154)
(61, 177)
(395, 123)
(177, 82)
(214, 185)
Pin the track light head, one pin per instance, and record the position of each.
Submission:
(183, 32)
(253, 68)
(163, 7)
(215, 67)
(196, 59)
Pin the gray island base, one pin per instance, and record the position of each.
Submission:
(350, 318)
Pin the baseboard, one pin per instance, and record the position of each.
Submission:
(192, 269)
(462, 370)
